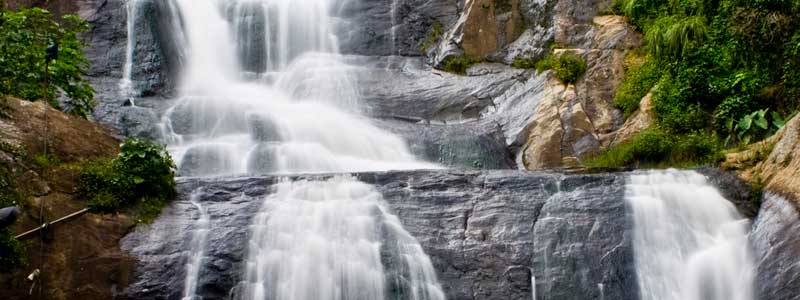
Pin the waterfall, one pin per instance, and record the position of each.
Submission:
(197, 247)
(126, 84)
(323, 240)
(689, 242)
(303, 118)
(263, 91)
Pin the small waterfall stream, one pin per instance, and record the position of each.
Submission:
(689, 242)
(323, 240)
(197, 247)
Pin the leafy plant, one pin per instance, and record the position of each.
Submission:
(656, 147)
(523, 63)
(24, 36)
(639, 80)
(433, 36)
(457, 64)
(567, 67)
(141, 171)
(12, 251)
(752, 126)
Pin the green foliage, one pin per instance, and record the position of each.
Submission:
(638, 81)
(12, 252)
(671, 38)
(729, 67)
(567, 67)
(656, 147)
(753, 126)
(24, 36)
(433, 36)
(673, 111)
(457, 64)
(142, 174)
(523, 63)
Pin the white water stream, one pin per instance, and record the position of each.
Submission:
(689, 242)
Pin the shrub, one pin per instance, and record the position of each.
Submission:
(639, 80)
(457, 64)
(141, 171)
(567, 67)
(674, 111)
(656, 147)
(433, 36)
(12, 251)
(523, 63)
(24, 36)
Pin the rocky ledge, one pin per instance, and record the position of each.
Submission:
(487, 233)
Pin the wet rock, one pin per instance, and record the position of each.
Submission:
(470, 145)
(391, 27)
(205, 159)
(139, 122)
(486, 233)
(776, 247)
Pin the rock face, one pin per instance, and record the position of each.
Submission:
(776, 247)
(488, 233)
(641, 119)
(66, 136)
(781, 170)
(81, 258)
(575, 120)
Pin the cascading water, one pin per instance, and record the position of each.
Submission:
(298, 121)
(197, 247)
(264, 92)
(689, 242)
(126, 84)
(323, 240)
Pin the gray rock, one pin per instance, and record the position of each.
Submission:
(777, 246)
(486, 233)
(469, 145)
(205, 159)
(139, 122)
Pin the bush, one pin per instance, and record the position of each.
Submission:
(12, 251)
(639, 80)
(523, 63)
(433, 36)
(141, 171)
(567, 67)
(457, 64)
(674, 109)
(656, 147)
(24, 36)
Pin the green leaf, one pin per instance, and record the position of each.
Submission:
(138, 180)
(761, 122)
(745, 123)
(777, 120)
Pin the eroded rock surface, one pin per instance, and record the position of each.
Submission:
(487, 233)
